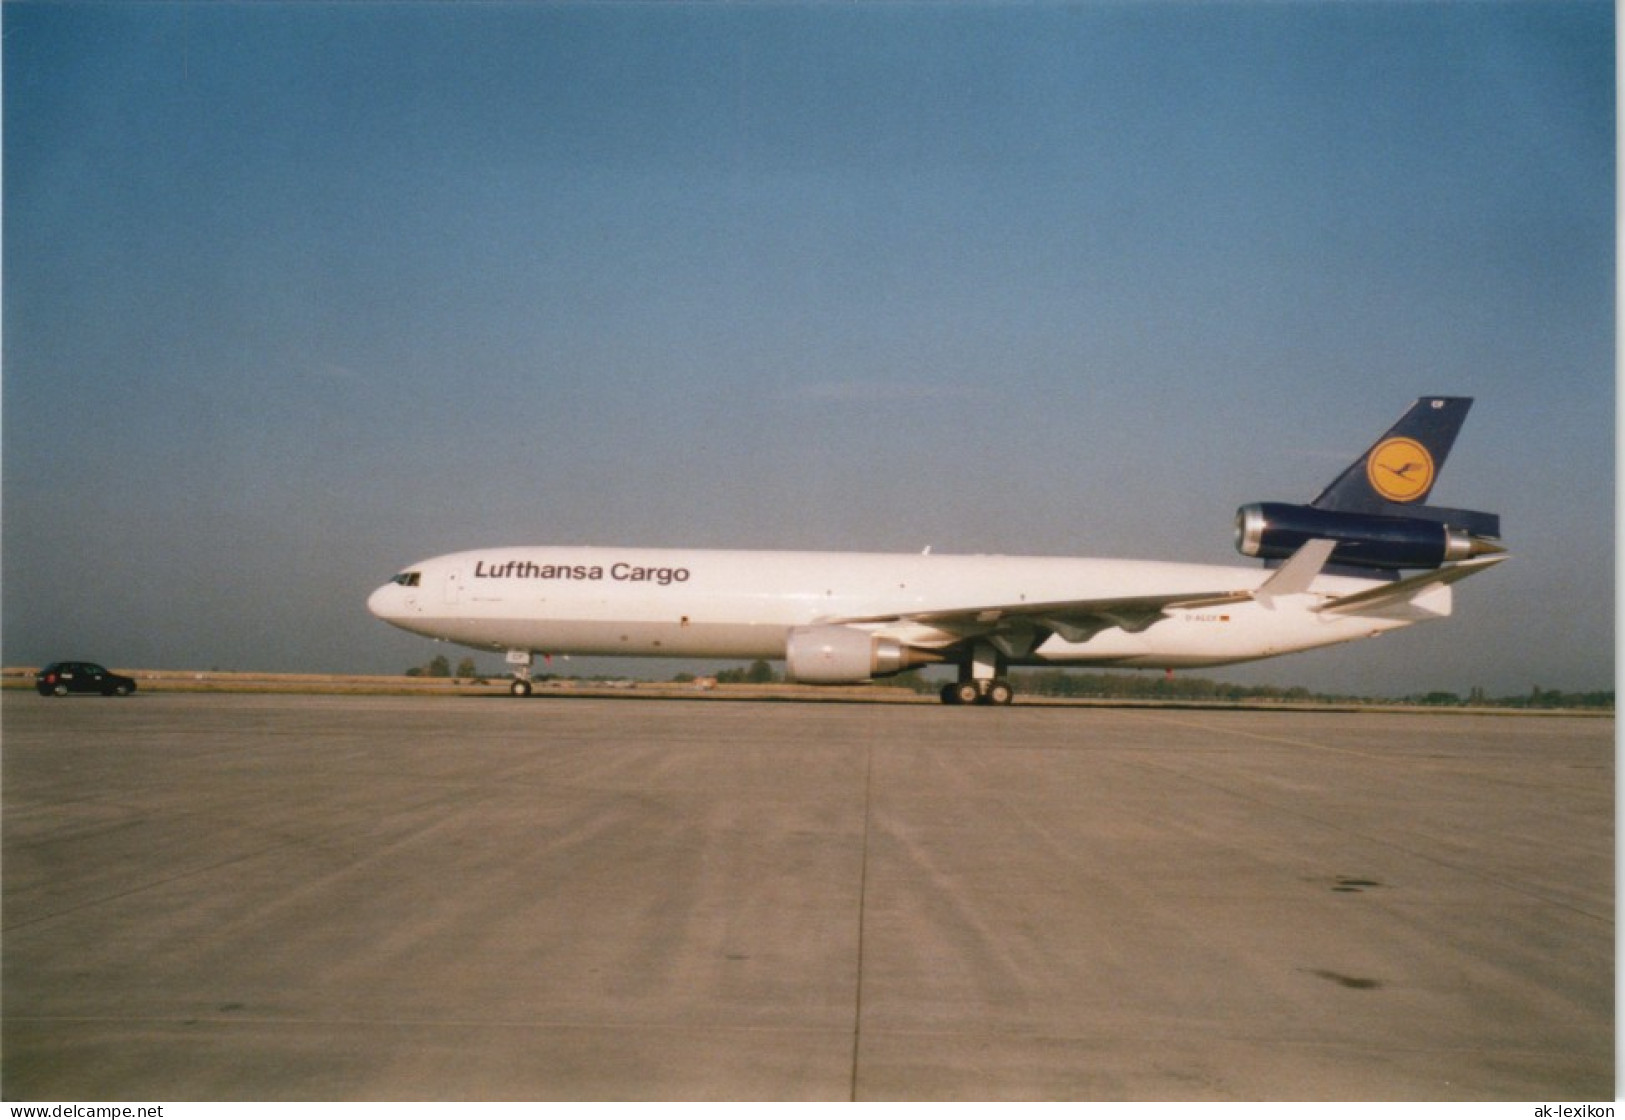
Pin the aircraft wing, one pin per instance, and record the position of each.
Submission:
(1021, 627)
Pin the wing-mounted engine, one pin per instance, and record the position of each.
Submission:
(1274, 531)
(847, 655)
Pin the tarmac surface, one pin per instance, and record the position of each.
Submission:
(240, 897)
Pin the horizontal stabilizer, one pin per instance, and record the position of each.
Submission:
(1404, 590)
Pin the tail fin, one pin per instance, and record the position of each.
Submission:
(1400, 468)
(1396, 474)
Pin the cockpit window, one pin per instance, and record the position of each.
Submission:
(407, 579)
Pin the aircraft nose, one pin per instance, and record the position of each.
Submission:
(385, 602)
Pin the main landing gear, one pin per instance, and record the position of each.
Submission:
(996, 691)
(981, 679)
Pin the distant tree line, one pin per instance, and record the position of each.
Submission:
(441, 667)
(1076, 684)
(1061, 682)
(1071, 683)
(1140, 686)
(758, 672)
(1537, 698)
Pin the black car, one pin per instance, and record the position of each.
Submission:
(62, 677)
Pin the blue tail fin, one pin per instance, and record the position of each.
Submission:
(1400, 468)
(1396, 474)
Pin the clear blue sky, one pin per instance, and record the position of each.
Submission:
(296, 294)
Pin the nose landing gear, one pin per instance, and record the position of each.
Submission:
(520, 659)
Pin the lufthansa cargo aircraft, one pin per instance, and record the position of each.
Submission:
(1365, 557)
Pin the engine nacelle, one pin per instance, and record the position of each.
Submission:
(1274, 531)
(845, 655)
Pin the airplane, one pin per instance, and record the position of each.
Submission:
(1365, 557)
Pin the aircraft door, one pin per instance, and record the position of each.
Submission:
(454, 585)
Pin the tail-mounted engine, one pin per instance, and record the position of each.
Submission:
(847, 655)
(1274, 531)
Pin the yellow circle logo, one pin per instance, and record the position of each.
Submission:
(1400, 469)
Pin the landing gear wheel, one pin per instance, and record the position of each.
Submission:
(519, 661)
(998, 692)
(966, 692)
(950, 694)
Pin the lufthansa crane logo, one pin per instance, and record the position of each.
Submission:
(1400, 469)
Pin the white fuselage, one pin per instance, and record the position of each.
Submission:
(728, 604)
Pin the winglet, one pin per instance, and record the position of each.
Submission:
(1300, 570)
